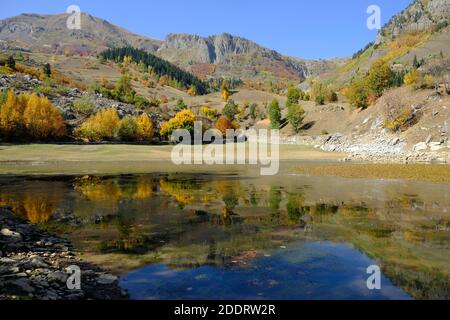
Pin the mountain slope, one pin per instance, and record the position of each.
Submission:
(420, 31)
(49, 33)
(217, 56)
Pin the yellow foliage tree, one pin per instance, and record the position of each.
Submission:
(411, 77)
(144, 128)
(101, 126)
(183, 120)
(43, 120)
(225, 93)
(11, 114)
(208, 112)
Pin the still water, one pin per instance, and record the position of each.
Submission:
(224, 235)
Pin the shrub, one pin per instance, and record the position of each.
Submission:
(223, 124)
(296, 114)
(319, 100)
(101, 126)
(144, 128)
(225, 93)
(183, 120)
(253, 111)
(230, 110)
(83, 105)
(11, 63)
(208, 112)
(332, 96)
(400, 122)
(275, 114)
(181, 105)
(397, 115)
(411, 77)
(42, 120)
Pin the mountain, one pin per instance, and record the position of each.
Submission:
(218, 56)
(49, 33)
(419, 16)
(420, 32)
(232, 56)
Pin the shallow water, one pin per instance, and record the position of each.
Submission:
(226, 235)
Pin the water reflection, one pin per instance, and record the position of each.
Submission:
(186, 222)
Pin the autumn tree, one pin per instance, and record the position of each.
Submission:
(192, 91)
(411, 77)
(208, 112)
(379, 77)
(357, 94)
(223, 124)
(43, 120)
(183, 120)
(275, 114)
(101, 126)
(11, 115)
(144, 128)
(127, 129)
(225, 92)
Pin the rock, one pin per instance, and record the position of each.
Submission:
(58, 276)
(21, 285)
(420, 146)
(429, 138)
(8, 233)
(395, 141)
(106, 279)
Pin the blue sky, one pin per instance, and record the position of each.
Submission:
(300, 28)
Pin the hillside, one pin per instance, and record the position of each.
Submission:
(49, 33)
(216, 56)
(420, 31)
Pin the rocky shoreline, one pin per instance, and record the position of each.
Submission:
(376, 147)
(33, 265)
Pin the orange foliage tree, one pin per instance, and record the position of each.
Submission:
(223, 124)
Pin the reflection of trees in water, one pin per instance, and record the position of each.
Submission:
(36, 203)
(99, 189)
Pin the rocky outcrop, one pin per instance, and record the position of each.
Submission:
(34, 265)
(375, 147)
(419, 16)
(236, 57)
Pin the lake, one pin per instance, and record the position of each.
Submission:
(232, 234)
